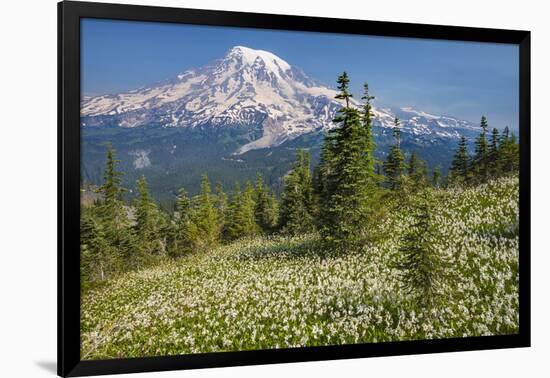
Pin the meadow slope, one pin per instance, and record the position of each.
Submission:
(279, 292)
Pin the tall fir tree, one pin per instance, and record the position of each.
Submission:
(418, 172)
(421, 267)
(480, 161)
(179, 238)
(346, 179)
(204, 229)
(264, 211)
(242, 220)
(220, 203)
(297, 199)
(394, 166)
(232, 229)
(343, 87)
(370, 145)
(412, 165)
(493, 158)
(112, 212)
(508, 152)
(148, 220)
(98, 261)
(460, 166)
(111, 208)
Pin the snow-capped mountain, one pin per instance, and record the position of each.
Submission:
(249, 88)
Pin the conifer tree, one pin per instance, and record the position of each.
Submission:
(204, 228)
(508, 152)
(183, 207)
(297, 199)
(274, 210)
(242, 220)
(112, 213)
(436, 177)
(459, 172)
(325, 170)
(148, 220)
(370, 145)
(97, 260)
(422, 267)
(505, 135)
(220, 204)
(412, 166)
(343, 87)
(493, 158)
(111, 208)
(264, 210)
(417, 171)
(180, 238)
(346, 179)
(394, 166)
(248, 209)
(480, 161)
(232, 227)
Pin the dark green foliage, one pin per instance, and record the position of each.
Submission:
(204, 230)
(343, 87)
(499, 156)
(480, 161)
(394, 166)
(436, 177)
(417, 171)
(508, 160)
(111, 208)
(210, 150)
(493, 154)
(370, 145)
(346, 175)
(266, 210)
(180, 239)
(242, 220)
(460, 167)
(98, 259)
(220, 203)
(112, 213)
(422, 267)
(148, 221)
(296, 214)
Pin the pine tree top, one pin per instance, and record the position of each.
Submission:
(366, 96)
(397, 130)
(343, 87)
(484, 124)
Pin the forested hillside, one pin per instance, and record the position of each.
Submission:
(281, 291)
(354, 249)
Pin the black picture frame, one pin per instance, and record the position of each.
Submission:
(69, 15)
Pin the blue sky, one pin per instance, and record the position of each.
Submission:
(461, 79)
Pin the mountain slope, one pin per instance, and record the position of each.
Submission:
(244, 114)
(245, 88)
(239, 291)
(251, 89)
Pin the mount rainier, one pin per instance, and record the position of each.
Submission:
(239, 115)
(249, 87)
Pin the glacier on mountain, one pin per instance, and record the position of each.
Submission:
(249, 88)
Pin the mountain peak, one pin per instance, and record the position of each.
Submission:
(248, 89)
(251, 57)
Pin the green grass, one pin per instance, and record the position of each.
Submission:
(281, 292)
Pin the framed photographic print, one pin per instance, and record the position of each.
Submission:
(239, 188)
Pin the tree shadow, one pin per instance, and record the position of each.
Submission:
(49, 366)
